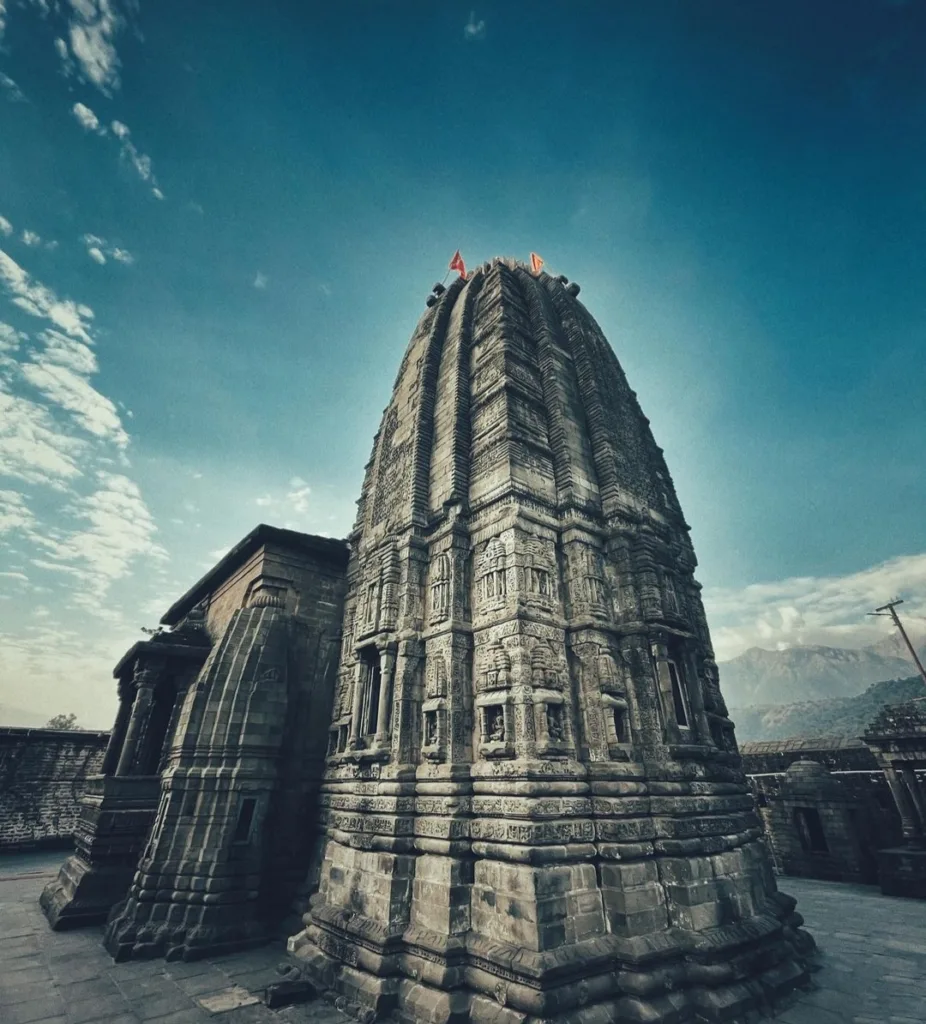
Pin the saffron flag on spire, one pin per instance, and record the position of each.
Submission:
(536, 263)
(457, 263)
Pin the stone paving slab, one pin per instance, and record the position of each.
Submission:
(68, 977)
(872, 966)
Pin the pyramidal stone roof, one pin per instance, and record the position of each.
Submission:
(509, 387)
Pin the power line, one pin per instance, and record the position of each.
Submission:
(890, 609)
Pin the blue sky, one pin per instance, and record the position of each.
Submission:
(220, 223)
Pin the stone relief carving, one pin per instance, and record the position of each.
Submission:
(436, 676)
(440, 588)
(495, 723)
(491, 580)
(496, 673)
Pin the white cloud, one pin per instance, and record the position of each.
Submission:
(10, 339)
(87, 119)
(473, 29)
(98, 249)
(73, 393)
(130, 154)
(260, 281)
(14, 515)
(37, 300)
(6, 228)
(12, 90)
(298, 495)
(33, 447)
(31, 239)
(92, 30)
(265, 501)
(120, 529)
(829, 610)
(67, 352)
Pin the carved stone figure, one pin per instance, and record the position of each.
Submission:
(495, 723)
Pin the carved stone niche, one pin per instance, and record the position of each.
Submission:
(671, 604)
(491, 576)
(440, 590)
(539, 571)
(551, 724)
(338, 735)
(434, 729)
(544, 673)
(589, 590)
(496, 725)
(496, 674)
(436, 676)
(617, 722)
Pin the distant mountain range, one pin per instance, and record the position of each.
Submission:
(842, 716)
(760, 677)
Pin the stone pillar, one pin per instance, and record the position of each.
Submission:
(387, 658)
(117, 736)
(904, 804)
(141, 709)
(357, 707)
(702, 728)
(916, 796)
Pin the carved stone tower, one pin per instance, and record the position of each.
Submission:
(533, 806)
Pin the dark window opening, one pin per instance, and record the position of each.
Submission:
(430, 728)
(620, 724)
(678, 697)
(371, 685)
(810, 830)
(332, 742)
(246, 810)
(761, 799)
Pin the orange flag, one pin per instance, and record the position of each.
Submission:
(457, 263)
(536, 263)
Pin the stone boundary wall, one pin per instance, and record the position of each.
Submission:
(836, 753)
(42, 776)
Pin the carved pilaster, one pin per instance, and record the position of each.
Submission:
(145, 681)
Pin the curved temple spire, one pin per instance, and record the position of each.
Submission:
(531, 774)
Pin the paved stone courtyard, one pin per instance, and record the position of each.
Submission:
(873, 966)
(69, 978)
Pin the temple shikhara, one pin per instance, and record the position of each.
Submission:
(475, 762)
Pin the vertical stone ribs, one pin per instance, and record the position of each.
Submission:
(576, 483)
(215, 796)
(450, 459)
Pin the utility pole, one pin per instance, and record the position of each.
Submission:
(890, 609)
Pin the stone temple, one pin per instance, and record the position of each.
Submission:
(506, 789)
(533, 805)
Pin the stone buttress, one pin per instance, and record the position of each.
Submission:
(533, 808)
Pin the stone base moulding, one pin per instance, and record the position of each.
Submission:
(902, 872)
(715, 975)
